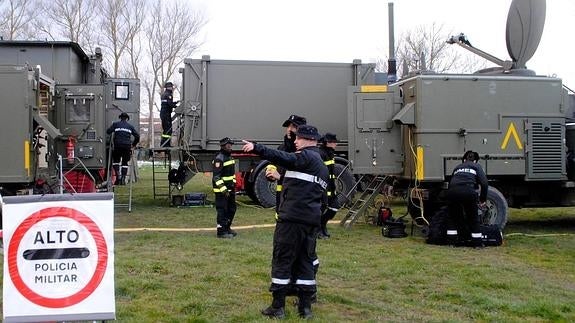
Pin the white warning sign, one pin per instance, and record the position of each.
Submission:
(58, 258)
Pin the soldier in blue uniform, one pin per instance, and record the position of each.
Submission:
(462, 200)
(122, 146)
(302, 196)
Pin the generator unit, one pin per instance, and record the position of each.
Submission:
(57, 104)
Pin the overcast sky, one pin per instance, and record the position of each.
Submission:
(343, 30)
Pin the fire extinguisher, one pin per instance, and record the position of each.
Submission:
(70, 151)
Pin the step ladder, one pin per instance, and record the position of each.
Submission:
(365, 200)
(161, 166)
(123, 194)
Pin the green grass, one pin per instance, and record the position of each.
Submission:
(363, 277)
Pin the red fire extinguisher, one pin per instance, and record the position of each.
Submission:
(70, 151)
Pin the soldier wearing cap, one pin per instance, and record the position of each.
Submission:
(168, 105)
(224, 183)
(304, 191)
(327, 145)
(122, 146)
(272, 172)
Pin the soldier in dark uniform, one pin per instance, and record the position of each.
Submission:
(224, 183)
(272, 172)
(327, 151)
(167, 107)
(462, 200)
(303, 193)
(122, 146)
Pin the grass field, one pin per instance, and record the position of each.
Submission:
(363, 277)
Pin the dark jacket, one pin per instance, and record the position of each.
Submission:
(289, 147)
(470, 174)
(123, 132)
(304, 185)
(168, 103)
(224, 172)
(328, 157)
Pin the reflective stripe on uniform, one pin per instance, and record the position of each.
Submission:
(333, 209)
(476, 235)
(229, 162)
(166, 136)
(220, 190)
(220, 182)
(328, 193)
(278, 188)
(306, 177)
(279, 281)
(451, 232)
(329, 162)
(307, 282)
(229, 178)
(315, 262)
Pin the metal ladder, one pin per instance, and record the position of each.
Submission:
(161, 166)
(364, 201)
(131, 177)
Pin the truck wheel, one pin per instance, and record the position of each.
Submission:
(344, 184)
(497, 209)
(264, 190)
(249, 187)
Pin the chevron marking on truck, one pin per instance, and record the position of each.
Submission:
(511, 131)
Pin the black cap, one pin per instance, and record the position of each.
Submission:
(307, 132)
(295, 119)
(124, 115)
(328, 137)
(226, 140)
(168, 84)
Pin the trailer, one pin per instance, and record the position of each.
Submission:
(251, 99)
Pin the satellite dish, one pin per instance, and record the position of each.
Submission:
(525, 23)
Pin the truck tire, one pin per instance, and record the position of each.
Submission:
(497, 209)
(249, 187)
(344, 184)
(264, 190)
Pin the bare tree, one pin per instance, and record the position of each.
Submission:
(69, 19)
(425, 48)
(15, 18)
(172, 34)
(121, 21)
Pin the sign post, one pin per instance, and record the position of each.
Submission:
(58, 257)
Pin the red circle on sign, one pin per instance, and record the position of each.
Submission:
(100, 266)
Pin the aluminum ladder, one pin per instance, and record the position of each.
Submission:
(365, 200)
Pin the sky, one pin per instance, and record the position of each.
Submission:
(344, 30)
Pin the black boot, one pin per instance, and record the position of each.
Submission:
(276, 310)
(304, 305)
(117, 172)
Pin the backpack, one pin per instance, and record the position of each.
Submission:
(437, 233)
(383, 214)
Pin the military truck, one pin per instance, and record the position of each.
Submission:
(412, 132)
(251, 100)
(518, 121)
(57, 103)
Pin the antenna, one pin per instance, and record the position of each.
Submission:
(525, 23)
